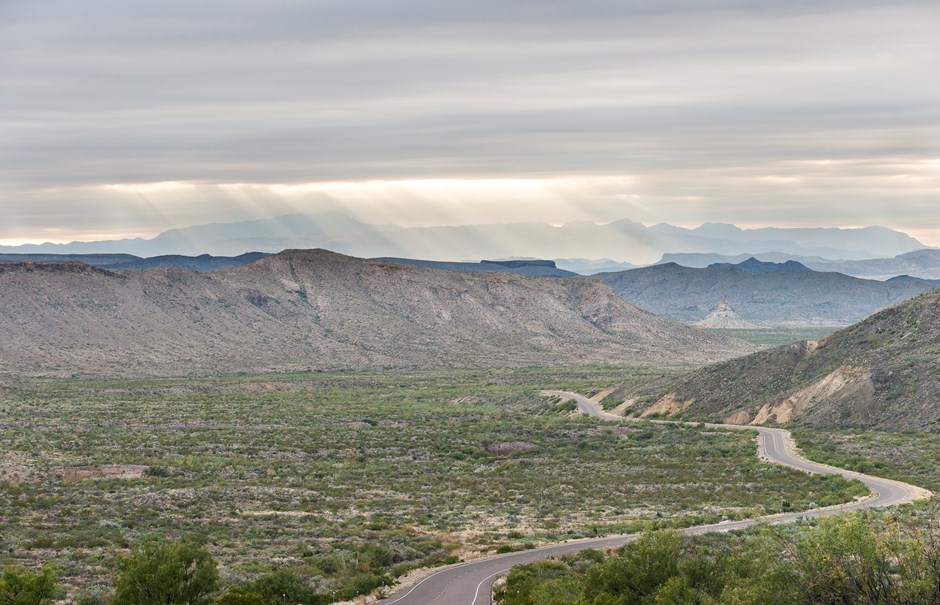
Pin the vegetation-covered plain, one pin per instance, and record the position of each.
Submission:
(773, 337)
(342, 481)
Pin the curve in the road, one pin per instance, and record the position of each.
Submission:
(471, 583)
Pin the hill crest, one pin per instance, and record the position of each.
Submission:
(315, 309)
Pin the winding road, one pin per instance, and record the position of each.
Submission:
(471, 583)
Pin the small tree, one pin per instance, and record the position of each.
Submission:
(19, 586)
(161, 573)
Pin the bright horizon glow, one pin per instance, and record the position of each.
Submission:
(554, 200)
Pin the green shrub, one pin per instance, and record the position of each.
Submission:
(161, 573)
(241, 596)
(284, 586)
(20, 586)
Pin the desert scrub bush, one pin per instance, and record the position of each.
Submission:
(19, 586)
(159, 573)
(845, 559)
(276, 587)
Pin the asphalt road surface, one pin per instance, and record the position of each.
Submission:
(471, 583)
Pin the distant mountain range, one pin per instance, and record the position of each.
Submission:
(624, 240)
(585, 266)
(206, 263)
(314, 309)
(762, 293)
(924, 264)
(200, 264)
(752, 265)
(881, 372)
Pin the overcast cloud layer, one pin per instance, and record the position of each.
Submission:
(126, 118)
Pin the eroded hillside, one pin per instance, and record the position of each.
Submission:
(318, 310)
(882, 372)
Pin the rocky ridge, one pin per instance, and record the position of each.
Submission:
(313, 309)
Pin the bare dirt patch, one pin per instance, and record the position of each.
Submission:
(667, 406)
(830, 386)
(601, 396)
(621, 409)
(14, 473)
(103, 471)
(740, 417)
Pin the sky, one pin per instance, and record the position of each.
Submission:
(126, 118)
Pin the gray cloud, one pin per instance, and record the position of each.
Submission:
(735, 104)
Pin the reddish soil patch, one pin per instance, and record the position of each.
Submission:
(103, 471)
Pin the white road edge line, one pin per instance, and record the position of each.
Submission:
(476, 593)
(415, 587)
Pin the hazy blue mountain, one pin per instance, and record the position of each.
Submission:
(752, 265)
(95, 260)
(624, 240)
(767, 294)
(701, 260)
(587, 266)
(924, 263)
(203, 263)
(920, 263)
(200, 264)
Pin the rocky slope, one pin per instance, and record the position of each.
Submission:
(766, 294)
(316, 309)
(881, 372)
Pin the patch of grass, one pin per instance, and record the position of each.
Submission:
(772, 337)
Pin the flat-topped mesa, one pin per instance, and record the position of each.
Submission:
(514, 264)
